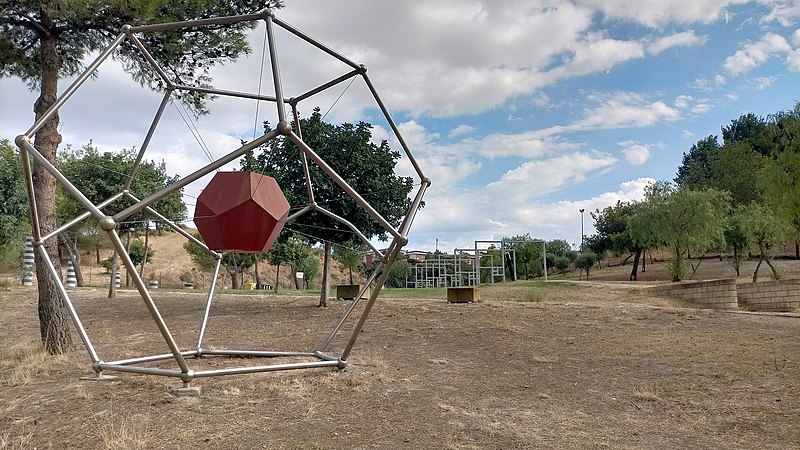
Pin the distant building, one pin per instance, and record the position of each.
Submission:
(416, 255)
(371, 257)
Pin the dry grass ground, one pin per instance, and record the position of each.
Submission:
(561, 366)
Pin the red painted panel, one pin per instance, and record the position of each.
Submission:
(241, 212)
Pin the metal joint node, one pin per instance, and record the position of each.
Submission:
(21, 140)
(284, 128)
(426, 181)
(342, 363)
(362, 69)
(187, 376)
(126, 28)
(108, 223)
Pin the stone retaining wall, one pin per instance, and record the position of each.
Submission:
(716, 294)
(781, 295)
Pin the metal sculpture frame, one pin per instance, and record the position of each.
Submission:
(316, 357)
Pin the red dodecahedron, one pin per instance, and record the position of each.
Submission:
(241, 212)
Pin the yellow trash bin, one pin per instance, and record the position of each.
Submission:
(251, 286)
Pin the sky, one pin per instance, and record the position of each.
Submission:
(521, 113)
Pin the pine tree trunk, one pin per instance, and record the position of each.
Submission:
(53, 314)
(325, 287)
(112, 286)
(146, 239)
(277, 277)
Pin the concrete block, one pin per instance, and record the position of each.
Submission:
(186, 391)
(349, 291)
(463, 294)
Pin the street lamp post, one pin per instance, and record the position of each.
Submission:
(582, 210)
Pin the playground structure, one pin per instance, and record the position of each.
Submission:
(486, 262)
(311, 358)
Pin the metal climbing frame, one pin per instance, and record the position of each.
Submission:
(471, 266)
(316, 357)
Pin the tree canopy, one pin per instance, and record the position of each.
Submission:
(348, 148)
(14, 207)
(100, 175)
(682, 219)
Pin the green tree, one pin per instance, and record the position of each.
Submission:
(683, 219)
(399, 273)
(766, 230)
(351, 256)
(737, 239)
(100, 175)
(562, 263)
(748, 128)
(138, 253)
(527, 254)
(288, 252)
(559, 247)
(735, 168)
(42, 41)
(310, 268)
(585, 261)
(779, 183)
(613, 234)
(234, 263)
(695, 171)
(14, 207)
(349, 149)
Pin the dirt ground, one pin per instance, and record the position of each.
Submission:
(573, 367)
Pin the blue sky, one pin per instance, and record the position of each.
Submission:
(520, 112)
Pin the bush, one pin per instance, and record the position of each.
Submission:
(398, 274)
(562, 263)
(136, 252)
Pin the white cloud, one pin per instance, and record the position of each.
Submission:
(764, 82)
(754, 54)
(785, 12)
(793, 60)
(683, 39)
(540, 99)
(536, 178)
(623, 110)
(461, 130)
(701, 107)
(595, 53)
(683, 101)
(661, 13)
(635, 153)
